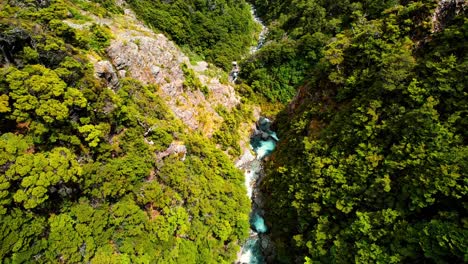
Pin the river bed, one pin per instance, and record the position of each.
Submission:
(262, 143)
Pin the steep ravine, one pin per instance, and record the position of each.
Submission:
(262, 143)
(137, 52)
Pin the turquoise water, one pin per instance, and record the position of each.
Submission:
(251, 253)
(265, 148)
(258, 223)
(263, 143)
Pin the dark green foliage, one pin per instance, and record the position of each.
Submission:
(228, 134)
(82, 178)
(273, 72)
(298, 31)
(98, 7)
(222, 31)
(372, 162)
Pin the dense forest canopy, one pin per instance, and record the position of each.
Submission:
(372, 163)
(222, 30)
(81, 178)
(370, 167)
(298, 31)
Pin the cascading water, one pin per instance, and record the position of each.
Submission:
(263, 142)
(263, 33)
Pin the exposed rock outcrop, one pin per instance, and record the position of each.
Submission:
(12, 42)
(176, 148)
(137, 52)
(105, 70)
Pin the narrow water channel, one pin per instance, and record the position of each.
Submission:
(263, 142)
(262, 35)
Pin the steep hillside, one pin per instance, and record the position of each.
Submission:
(222, 30)
(192, 92)
(372, 162)
(117, 138)
(105, 149)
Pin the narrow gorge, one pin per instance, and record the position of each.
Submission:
(245, 132)
(262, 142)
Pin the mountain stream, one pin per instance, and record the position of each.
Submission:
(263, 142)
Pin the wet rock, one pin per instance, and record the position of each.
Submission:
(246, 158)
(234, 72)
(264, 124)
(264, 135)
(258, 200)
(268, 248)
(265, 242)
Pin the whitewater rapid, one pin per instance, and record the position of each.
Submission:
(262, 143)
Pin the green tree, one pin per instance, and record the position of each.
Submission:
(372, 164)
(37, 172)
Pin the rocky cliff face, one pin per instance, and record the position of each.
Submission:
(137, 52)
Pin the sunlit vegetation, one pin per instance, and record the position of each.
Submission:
(192, 82)
(81, 175)
(228, 134)
(372, 162)
(298, 31)
(221, 31)
(370, 167)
